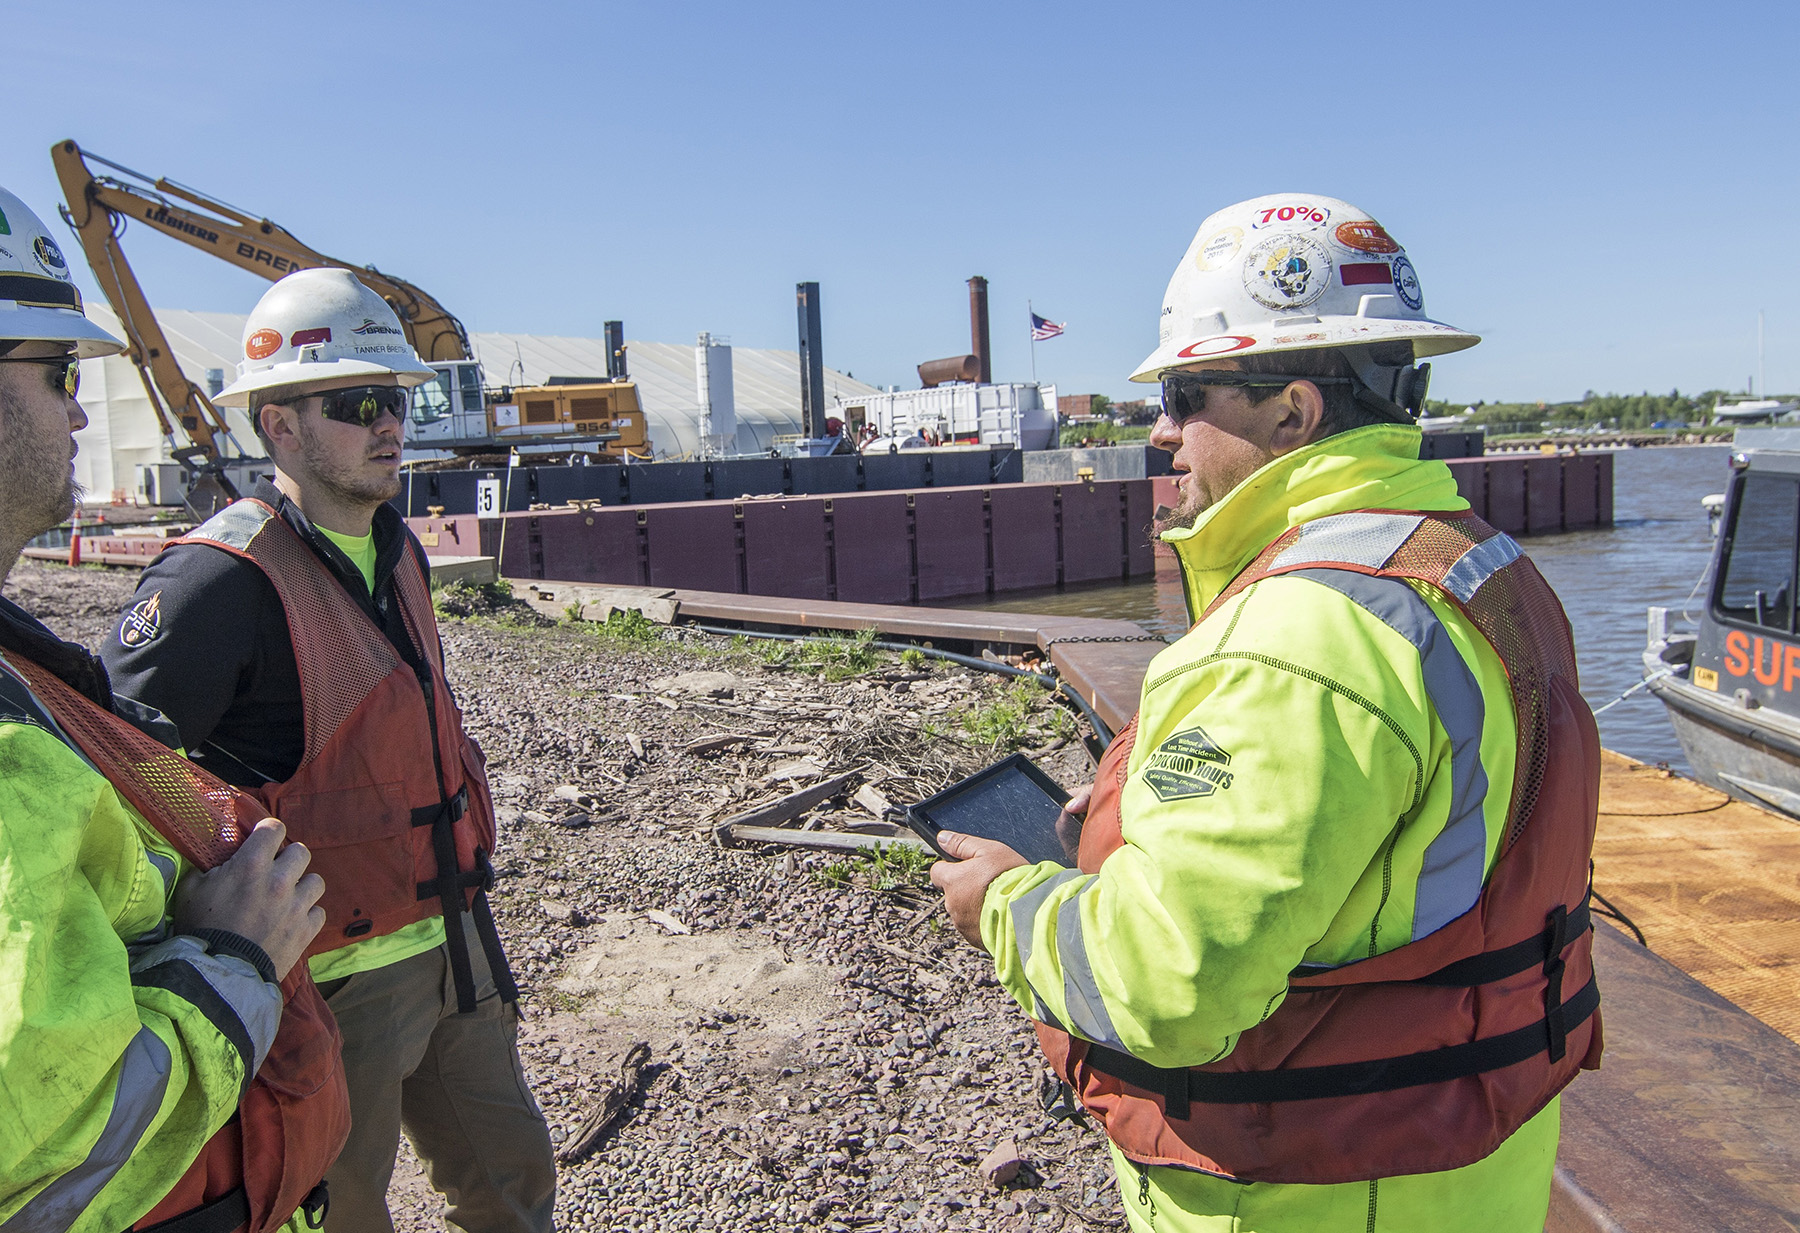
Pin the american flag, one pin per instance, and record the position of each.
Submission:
(1043, 328)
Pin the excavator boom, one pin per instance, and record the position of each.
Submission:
(233, 235)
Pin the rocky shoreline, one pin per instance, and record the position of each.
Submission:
(824, 1051)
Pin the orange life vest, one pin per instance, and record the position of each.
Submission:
(270, 1160)
(391, 794)
(1429, 1056)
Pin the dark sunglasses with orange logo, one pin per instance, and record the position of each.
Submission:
(65, 372)
(363, 405)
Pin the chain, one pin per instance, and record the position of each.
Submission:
(1108, 638)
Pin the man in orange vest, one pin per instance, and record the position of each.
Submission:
(138, 996)
(1323, 961)
(291, 641)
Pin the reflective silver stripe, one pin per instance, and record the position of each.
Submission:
(137, 1098)
(1357, 539)
(1087, 1012)
(1450, 881)
(234, 526)
(1025, 909)
(166, 868)
(1479, 564)
(255, 1002)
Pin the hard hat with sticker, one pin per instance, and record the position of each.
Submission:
(1288, 272)
(320, 325)
(39, 302)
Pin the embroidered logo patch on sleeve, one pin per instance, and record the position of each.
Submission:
(143, 621)
(1188, 764)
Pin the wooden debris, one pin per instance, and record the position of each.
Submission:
(731, 835)
(786, 808)
(669, 923)
(872, 800)
(612, 1103)
(713, 744)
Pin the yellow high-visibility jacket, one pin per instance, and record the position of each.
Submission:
(1314, 849)
(123, 1047)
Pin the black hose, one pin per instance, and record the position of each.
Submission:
(968, 661)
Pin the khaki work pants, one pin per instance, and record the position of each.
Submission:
(454, 1084)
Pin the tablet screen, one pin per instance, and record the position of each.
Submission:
(1012, 802)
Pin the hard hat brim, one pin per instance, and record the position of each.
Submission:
(238, 393)
(1427, 337)
(61, 325)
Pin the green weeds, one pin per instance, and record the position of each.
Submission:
(1004, 721)
(834, 656)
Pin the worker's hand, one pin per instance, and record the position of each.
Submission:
(262, 893)
(1070, 820)
(964, 879)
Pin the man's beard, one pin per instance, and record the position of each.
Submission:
(346, 483)
(1184, 514)
(35, 502)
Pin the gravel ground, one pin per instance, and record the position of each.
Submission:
(824, 1050)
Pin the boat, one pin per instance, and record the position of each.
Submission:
(1751, 410)
(1732, 685)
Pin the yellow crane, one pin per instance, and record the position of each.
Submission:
(456, 414)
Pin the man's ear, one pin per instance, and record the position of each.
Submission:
(280, 425)
(1303, 412)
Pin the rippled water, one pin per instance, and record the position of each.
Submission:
(1655, 553)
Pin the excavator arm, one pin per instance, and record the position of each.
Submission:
(174, 398)
(230, 234)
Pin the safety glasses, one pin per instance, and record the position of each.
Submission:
(65, 372)
(1184, 393)
(363, 405)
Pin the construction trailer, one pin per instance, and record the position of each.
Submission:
(1020, 414)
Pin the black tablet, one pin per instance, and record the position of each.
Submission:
(1011, 801)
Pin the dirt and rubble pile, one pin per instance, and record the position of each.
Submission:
(825, 1052)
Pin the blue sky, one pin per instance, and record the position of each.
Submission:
(1605, 191)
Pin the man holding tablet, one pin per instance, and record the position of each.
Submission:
(1325, 961)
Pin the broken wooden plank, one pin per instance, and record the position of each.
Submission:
(832, 841)
(612, 1103)
(789, 807)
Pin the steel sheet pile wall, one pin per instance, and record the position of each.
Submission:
(875, 547)
(725, 479)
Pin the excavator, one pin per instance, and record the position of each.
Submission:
(455, 416)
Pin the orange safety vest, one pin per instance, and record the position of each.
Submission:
(1429, 1056)
(391, 794)
(269, 1160)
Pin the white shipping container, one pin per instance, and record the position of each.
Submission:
(1022, 414)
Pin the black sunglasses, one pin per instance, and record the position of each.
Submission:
(363, 405)
(68, 379)
(1184, 393)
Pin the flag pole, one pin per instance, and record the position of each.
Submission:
(1031, 329)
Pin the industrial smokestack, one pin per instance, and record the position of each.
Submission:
(812, 361)
(615, 351)
(978, 328)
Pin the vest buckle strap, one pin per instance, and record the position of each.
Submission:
(1226, 1087)
(1555, 938)
(450, 811)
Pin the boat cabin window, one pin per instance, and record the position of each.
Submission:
(1758, 585)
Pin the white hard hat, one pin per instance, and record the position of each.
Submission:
(321, 325)
(38, 300)
(1293, 272)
